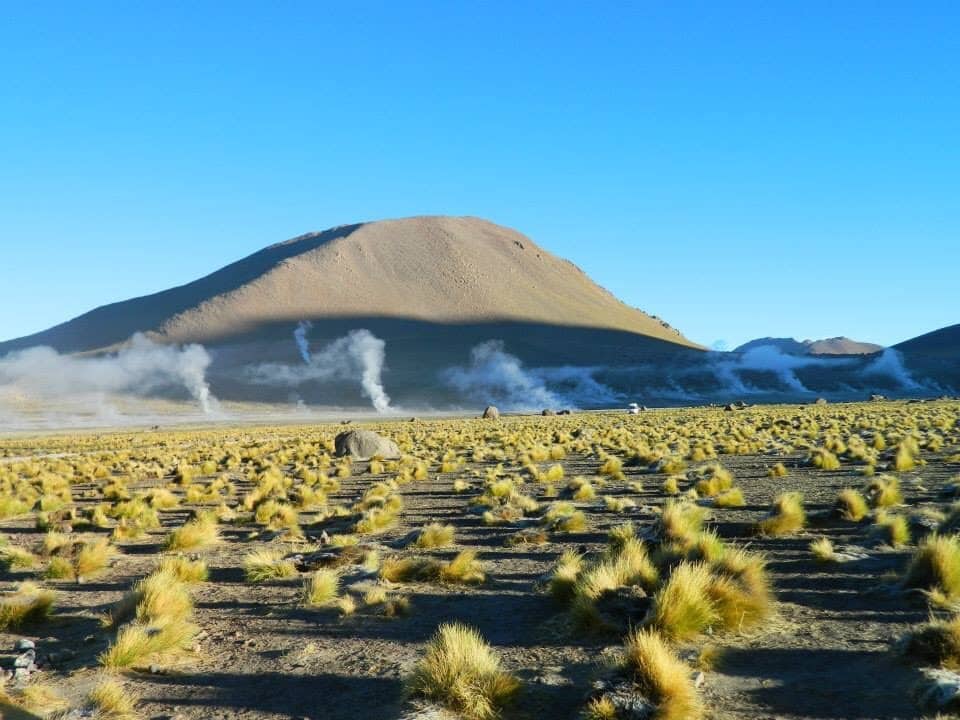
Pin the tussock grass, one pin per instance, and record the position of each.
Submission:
(851, 505)
(661, 676)
(682, 608)
(891, 529)
(267, 564)
(732, 498)
(884, 491)
(93, 557)
(936, 643)
(463, 569)
(29, 603)
(16, 558)
(321, 587)
(822, 549)
(197, 533)
(565, 574)
(786, 515)
(184, 569)
(936, 566)
(777, 470)
(462, 672)
(435, 535)
(112, 701)
(681, 522)
(135, 643)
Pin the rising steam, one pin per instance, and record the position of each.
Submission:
(495, 376)
(357, 356)
(890, 364)
(141, 367)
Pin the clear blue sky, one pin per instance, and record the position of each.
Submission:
(740, 169)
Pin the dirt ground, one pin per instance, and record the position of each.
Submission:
(827, 652)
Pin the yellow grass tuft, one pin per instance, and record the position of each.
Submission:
(462, 672)
(936, 566)
(197, 533)
(321, 587)
(435, 535)
(851, 505)
(267, 564)
(661, 676)
(112, 701)
(29, 603)
(822, 550)
(786, 516)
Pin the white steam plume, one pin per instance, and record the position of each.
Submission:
(890, 364)
(140, 368)
(358, 356)
(300, 336)
(495, 376)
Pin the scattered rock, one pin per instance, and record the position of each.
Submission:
(365, 444)
(26, 660)
(941, 691)
(850, 553)
(547, 412)
(626, 699)
(491, 413)
(24, 644)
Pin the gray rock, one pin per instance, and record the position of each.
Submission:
(24, 644)
(942, 689)
(491, 413)
(626, 699)
(25, 660)
(365, 444)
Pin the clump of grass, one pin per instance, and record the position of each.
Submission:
(777, 470)
(904, 460)
(682, 607)
(565, 574)
(16, 558)
(681, 522)
(891, 529)
(564, 517)
(59, 568)
(321, 587)
(197, 533)
(396, 606)
(29, 603)
(671, 486)
(136, 642)
(884, 491)
(822, 549)
(732, 498)
(936, 566)
(851, 505)
(112, 701)
(375, 596)
(463, 569)
(661, 676)
(435, 535)
(786, 515)
(936, 643)
(184, 569)
(823, 459)
(267, 564)
(716, 479)
(93, 557)
(462, 672)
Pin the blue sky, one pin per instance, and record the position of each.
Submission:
(740, 169)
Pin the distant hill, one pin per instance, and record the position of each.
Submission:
(432, 288)
(935, 355)
(448, 270)
(829, 346)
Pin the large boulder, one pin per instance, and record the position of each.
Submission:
(491, 413)
(365, 444)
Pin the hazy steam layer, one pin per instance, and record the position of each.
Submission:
(890, 363)
(497, 377)
(139, 368)
(358, 356)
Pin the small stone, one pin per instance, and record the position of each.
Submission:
(26, 659)
(24, 644)
(90, 639)
(699, 679)
(21, 676)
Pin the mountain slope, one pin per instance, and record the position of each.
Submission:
(443, 270)
(828, 346)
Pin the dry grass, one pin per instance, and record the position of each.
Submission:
(936, 566)
(661, 676)
(184, 569)
(198, 533)
(891, 529)
(112, 701)
(321, 587)
(851, 505)
(732, 498)
(936, 643)
(682, 608)
(823, 551)
(435, 535)
(29, 603)
(460, 671)
(267, 564)
(786, 516)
